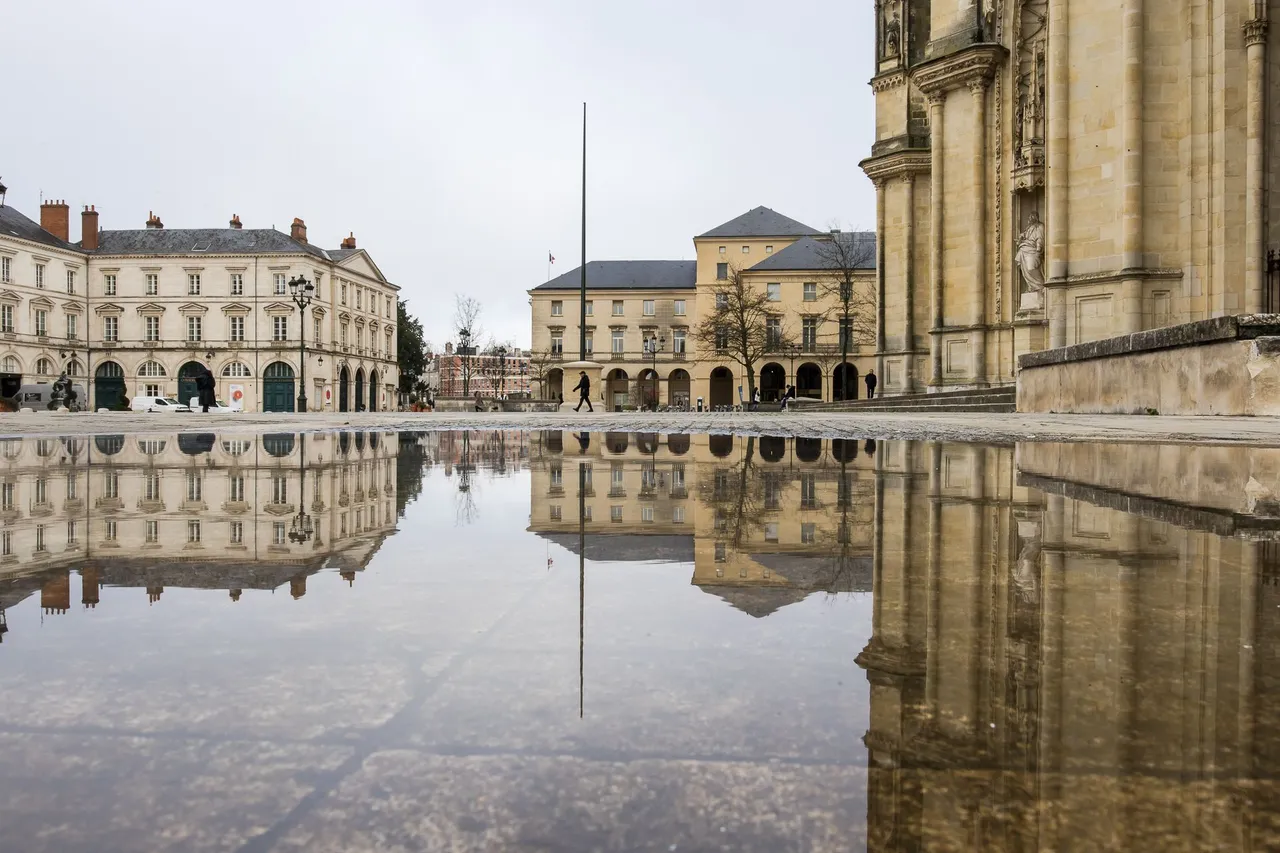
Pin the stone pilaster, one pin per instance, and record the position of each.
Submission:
(937, 184)
(1058, 166)
(1255, 39)
(978, 228)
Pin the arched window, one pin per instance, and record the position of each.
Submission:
(236, 370)
(151, 368)
(109, 445)
(75, 368)
(110, 370)
(278, 370)
(44, 367)
(278, 443)
(11, 365)
(151, 446)
(237, 446)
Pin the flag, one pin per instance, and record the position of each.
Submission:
(551, 259)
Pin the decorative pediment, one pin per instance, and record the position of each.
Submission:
(72, 308)
(236, 309)
(318, 311)
(9, 296)
(41, 302)
(360, 321)
(109, 309)
(345, 316)
(276, 309)
(190, 308)
(373, 326)
(151, 309)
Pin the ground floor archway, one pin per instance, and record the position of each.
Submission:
(678, 388)
(277, 388)
(553, 385)
(187, 375)
(720, 392)
(360, 389)
(809, 381)
(773, 381)
(844, 382)
(344, 389)
(616, 393)
(108, 386)
(373, 390)
(647, 388)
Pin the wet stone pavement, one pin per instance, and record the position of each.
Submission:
(403, 640)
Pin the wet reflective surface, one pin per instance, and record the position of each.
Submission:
(612, 641)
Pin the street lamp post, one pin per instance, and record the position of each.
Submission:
(501, 353)
(302, 291)
(302, 528)
(652, 346)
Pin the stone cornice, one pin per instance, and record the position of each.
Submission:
(1255, 32)
(956, 70)
(897, 164)
(888, 80)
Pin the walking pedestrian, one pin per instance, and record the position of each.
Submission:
(206, 385)
(584, 389)
(871, 383)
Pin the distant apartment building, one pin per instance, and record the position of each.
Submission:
(493, 372)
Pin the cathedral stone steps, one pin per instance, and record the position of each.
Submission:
(1002, 399)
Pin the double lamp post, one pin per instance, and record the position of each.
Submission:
(302, 292)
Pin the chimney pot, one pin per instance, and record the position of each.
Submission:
(153, 221)
(89, 229)
(298, 230)
(55, 217)
(349, 242)
(235, 221)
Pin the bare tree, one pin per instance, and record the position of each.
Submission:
(466, 323)
(736, 495)
(540, 362)
(846, 257)
(743, 325)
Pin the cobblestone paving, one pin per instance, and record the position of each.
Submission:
(974, 427)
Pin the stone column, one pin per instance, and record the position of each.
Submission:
(1131, 168)
(978, 229)
(1255, 39)
(909, 281)
(880, 317)
(933, 588)
(937, 109)
(1059, 156)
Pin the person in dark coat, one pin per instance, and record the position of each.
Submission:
(584, 387)
(207, 386)
(871, 381)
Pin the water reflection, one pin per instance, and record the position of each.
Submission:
(911, 645)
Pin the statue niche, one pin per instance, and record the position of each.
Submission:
(891, 31)
(1030, 114)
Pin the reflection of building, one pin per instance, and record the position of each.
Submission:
(764, 521)
(1079, 655)
(152, 304)
(196, 510)
(631, 304)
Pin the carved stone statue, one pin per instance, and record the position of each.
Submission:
(1031, 253)
(892, 36)
(61, 394)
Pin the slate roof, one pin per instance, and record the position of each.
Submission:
(213, 241)
(628, 275)
(762, 222)
(805, 254)
(15, 224)
(341, 254)
(628, 547)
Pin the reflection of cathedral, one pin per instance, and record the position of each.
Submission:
(195, 511)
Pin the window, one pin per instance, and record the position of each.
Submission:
(556, 514)
(808, 533)
(722, 272)
(42, 490)
(809, 334)
(315, 330)
(360, 298)
(109, 284)
(846, 332)
(591, 342)
(617, 308)
(768, 250)
(646, 513)
(40, 276)
(6, 543)
(44, 367)
(237, 328)
(557, 343)
(71, 281)
(151, 390)
(194, 328)
(591, 308)
(359, 337)
(722, 337)
(40, 546)
(111, 485)
(648, 308)
(771, 532)
(343, 293)
(344, 335)
(109, 533)
(279, 490)
(237, 533)
(746, 250)
(677, 341)
(6, 320)
(810, 291)
(281, 285)
(151, 368)
(153, 531)
(773, 332)
(72, 327)
(42, 322)
(721, 552)
(153, 284)
(678, 308)
(774, 291)
(152, 332)
(677, 515)
(10, 364)
(278, 533)
(617, 476)
(193, 284)
(237, 284)
(8, 494)
(195, 487)
(235, 488)
(388, 345)
(808, 491)
(724, 249)
(722, 302)
(615, 514)
(236, 370)
(6, 265)
(279, 328)
(388, 306)
(618, 341)
(557, 308)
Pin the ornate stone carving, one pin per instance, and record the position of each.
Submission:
(890, 30)
(1030, 261)
(885, 82)
(1255, 32)
(1030, 117)
(957, 70)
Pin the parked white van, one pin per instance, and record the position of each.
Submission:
(157, 404)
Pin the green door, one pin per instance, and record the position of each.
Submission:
(187, 381)
(108, 386)
(277, 388)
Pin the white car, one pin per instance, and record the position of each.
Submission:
(157, 404)
(221, 408)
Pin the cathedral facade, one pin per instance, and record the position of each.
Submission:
(1054, 172)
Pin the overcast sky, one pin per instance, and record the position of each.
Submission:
(445, 135)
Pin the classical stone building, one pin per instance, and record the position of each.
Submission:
(633, 305)
(1053, 172)
(136, 312)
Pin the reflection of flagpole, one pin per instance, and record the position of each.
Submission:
(582, 577)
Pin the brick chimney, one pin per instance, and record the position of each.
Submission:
(235, 221)
(349, 242)
(153, 221)
(55, 217)
(298, 230)
(89, 228)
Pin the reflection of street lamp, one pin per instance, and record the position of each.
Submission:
(301, 290)
(652, 346)
(464, 350)
(302, 528)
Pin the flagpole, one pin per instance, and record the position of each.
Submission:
(582, 296)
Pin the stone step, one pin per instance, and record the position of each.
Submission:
(1000, 399)
(1003, 408)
